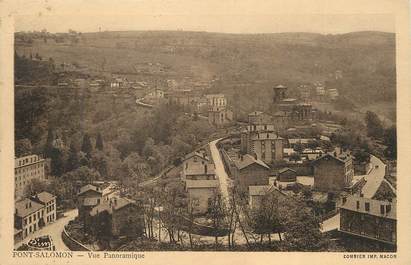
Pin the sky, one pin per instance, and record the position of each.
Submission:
(228, 16)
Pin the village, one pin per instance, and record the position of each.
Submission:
(239, 189)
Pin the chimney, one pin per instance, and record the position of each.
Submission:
(335, 153)
(255, 156)
(241, 157)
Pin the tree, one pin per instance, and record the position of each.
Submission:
(299, 147)
(217, 214)
(23, 147)
(49, 143)
(57, 164)
(390, 139)
(35, 186)
(295, 157)
(99, 142)
(73, 159)
(86, 146)
(374, 125)
(81, 174)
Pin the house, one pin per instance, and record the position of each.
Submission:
(219, 116)
(250, 171)
(196, 157)
(311, 154)
(198, 171)
(333, 172)
(260, 137)
(88, 197)
(256, 194)
(287, 175)
(116, 217)
(27, 168)
(49, 202)
(369, 218)
(28, 216)
(216, 100)
(201, 194)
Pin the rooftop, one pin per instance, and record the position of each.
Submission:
(45, 196)
(113, 204)
(87, 188)
(247, 160)
(199, 169)
(374, 207)
(198, 184)
(26, 206)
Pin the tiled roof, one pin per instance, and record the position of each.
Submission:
(196, 153)
(26, 206)
(87, 188)
(112, 205)
(248, 160)
(375, 206)
(199, 169)
(45, 196)
(286, 169)
(198, 184)
(341, 159)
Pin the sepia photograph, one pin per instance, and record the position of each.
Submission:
(195, 130)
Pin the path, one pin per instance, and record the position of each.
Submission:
(222, 175)
(54, 230)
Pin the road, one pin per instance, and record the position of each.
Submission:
(222, 176)
(374, 178)
(54, 230)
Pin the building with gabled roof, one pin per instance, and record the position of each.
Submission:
(333, 172)
(201, 194)
(116, 217)
(369, 218)
(250, 171)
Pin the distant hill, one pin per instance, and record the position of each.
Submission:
(244, 66)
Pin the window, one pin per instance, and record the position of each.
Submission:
(382, 209)
(358, 205)
(388, 208)
(367, 206)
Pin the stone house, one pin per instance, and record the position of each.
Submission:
(333, 172)
(287, 175)
(250, 171)
(200, 194)
(117, 217)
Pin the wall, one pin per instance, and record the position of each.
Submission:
(251, 175)
(329, 175)
(71, 243)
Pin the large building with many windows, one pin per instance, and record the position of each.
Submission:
(31, 214)
(27, 168)
(368, 218)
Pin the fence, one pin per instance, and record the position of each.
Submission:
(71, 243)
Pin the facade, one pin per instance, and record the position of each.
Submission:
(198, 171)
(88, 197)
(287, 175)
(260, 138)
(28, 216)
(216, 100)
(201, 194)
(31, 214)
(250, 171)
(26, 169)
(368, 218)
(49, 202)
(291, 109)
(117, 217)
(333, 172)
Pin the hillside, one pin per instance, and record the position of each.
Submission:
(244, 66)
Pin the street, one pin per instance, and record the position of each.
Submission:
(220, 171)
(54, 230)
